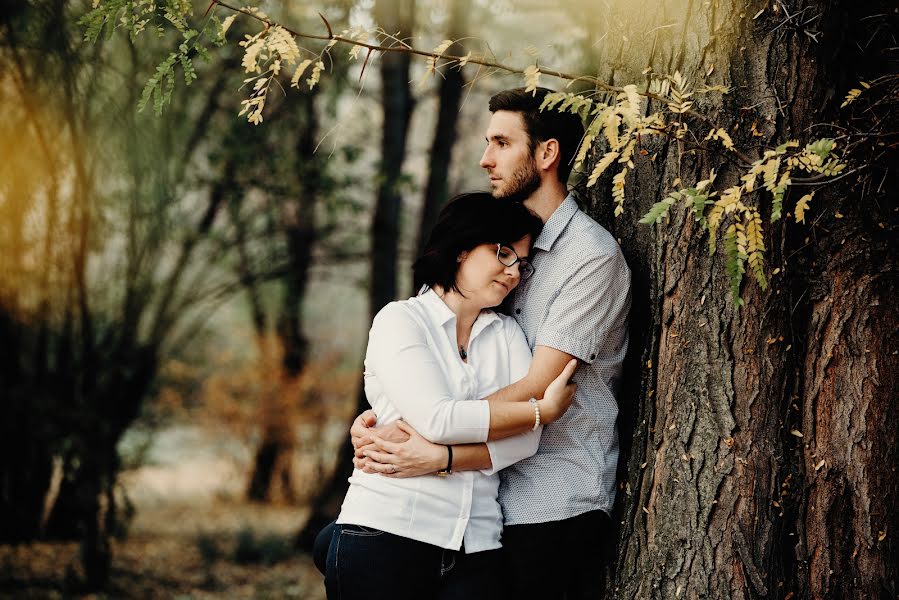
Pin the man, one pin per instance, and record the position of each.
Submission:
(556, 504)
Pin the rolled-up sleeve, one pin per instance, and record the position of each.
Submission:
(510, 450)
(592, 306)
(410, 374)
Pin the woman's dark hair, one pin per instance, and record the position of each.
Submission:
(467, 221)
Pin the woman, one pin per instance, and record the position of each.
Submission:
(430, 360)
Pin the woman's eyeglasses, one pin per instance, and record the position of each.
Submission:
(508, 257)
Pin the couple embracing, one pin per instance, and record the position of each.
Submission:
(486, 467)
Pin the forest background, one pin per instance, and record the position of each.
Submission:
(185, 292)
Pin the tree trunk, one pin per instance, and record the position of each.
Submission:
(273, 471)
(728, 413)
(450, 95)
(395, 17)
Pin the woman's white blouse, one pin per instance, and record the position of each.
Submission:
(413, 371)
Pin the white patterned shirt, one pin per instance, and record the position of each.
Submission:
(577, 301)
(413, 371)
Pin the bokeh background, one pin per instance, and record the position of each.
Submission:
(185, 297)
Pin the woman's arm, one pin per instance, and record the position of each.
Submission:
(417, 456)
(411, 376)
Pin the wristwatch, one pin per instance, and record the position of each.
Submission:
(449, 464)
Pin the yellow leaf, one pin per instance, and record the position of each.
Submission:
(797, 433)
(301, 68)
(851, 97)
(226, 23)
(532, 79)
(618, 191)
(316, 74)
(610, 129)
(601, 166)
(802, 206)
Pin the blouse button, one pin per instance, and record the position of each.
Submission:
(517, 311)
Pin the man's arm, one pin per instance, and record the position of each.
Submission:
(546, 365)
(375, 453)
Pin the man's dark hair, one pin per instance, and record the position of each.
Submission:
(540, 126)
(467, 221)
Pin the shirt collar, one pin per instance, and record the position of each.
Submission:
(441, 314)
(556, 223)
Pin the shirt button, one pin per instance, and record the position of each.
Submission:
(592, 356)
(517, 311)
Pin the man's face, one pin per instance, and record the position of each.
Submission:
(508, 158)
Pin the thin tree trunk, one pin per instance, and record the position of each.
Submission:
(395, 17)
(273, 472)
(450, 94)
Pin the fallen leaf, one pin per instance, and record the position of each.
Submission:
(797, 433)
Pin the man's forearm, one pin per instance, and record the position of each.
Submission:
(520, 391)
(547, 364)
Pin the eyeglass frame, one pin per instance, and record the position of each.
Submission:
(525, 273)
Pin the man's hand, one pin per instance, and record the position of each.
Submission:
(411, 458)
(364, 428)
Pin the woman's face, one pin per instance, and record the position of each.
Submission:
(483, 279)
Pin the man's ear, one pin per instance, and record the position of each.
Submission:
(548, 153)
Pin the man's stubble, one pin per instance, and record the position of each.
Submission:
(524, 182)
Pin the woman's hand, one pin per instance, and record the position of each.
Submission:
(416, 456)
(559, 394)
(364, 428)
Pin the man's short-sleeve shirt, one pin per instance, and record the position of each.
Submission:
(577, 301)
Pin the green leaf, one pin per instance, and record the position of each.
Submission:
(659, 210)
(734, 265)
(822, 147)
(153, 85)
(777, 203)
(698, 201)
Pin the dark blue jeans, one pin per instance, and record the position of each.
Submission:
(369, 564)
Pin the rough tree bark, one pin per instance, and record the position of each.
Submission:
(762, 440)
